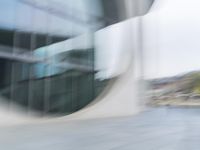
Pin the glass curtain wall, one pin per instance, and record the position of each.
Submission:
(47, 54)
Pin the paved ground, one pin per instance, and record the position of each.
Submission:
(156, 129)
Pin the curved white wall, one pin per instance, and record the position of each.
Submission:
(121, 99)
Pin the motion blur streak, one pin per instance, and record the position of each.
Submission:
(99, 74)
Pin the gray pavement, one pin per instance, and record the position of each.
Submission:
(164, 128)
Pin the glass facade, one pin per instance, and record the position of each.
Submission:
(47, 54)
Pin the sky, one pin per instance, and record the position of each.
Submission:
(172, 38)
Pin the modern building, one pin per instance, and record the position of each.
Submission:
(72, 59)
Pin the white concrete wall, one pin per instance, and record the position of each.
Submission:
(121, 98)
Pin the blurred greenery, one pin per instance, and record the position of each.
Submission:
(195, 83)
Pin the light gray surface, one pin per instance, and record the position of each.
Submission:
(156, 129)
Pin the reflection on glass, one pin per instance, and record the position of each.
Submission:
(47, 54)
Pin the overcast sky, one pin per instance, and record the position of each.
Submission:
(172, 38)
